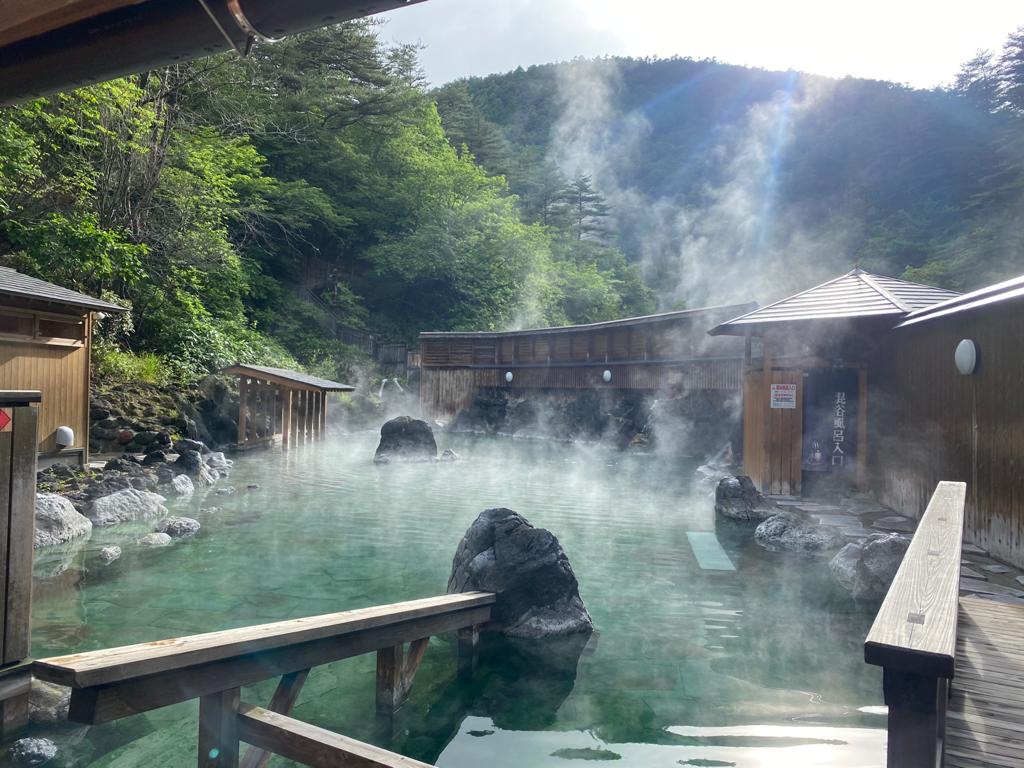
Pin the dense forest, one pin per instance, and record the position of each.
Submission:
(245, 209)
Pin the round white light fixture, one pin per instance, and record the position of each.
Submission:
(606, 376)
(966, 357)
(509, 376)
(64, 437)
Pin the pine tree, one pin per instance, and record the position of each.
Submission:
(586, 207)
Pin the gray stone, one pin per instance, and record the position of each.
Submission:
(31, 751)
(537, 592)
(1020, 580)
(227, 490)
(895, 523)
(970, 573)
(449, 455)
(995, 568)
(880, 558)
(110, 554)
(988, 588)
(186, 445)
(154, 457)
(844, 565)
(182, 485)
(973, 549)
(217, 460)
(190, 462)
(57, 521)
(178, 527)
(789, 532)
(406, 438)
(48, 702)
(126, 505)
(154, 540)
(738, 499)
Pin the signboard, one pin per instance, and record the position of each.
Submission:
(830, 420)
(784, 396)
(6, 419)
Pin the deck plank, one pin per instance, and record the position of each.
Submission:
(985, 720)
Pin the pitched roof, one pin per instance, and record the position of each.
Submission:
(285, 376)
(855, 294)
(14, 283)
(983, 297)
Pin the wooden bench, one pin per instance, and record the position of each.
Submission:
(913, 637)
(117, 682)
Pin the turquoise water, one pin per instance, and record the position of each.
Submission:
(693, 663)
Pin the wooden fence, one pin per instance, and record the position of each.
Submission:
(117, 682)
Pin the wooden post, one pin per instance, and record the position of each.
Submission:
(17, 527)
(316, 416)
(303, 405)
(286, 417)
(243, 404)
(917, 718)
(862, 429)
(468, 642)
(218, 729)
(323, 415)
(310, 407)
(764, 480)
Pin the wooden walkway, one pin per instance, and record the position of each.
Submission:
(985, 715)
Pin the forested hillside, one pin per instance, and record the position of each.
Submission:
(243, 207)
(729, 182)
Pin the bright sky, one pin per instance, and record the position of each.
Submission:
(919, 42)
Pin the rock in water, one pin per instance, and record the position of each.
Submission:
(537, 592)
(866, 570)
(126, 505)
(406, 438)
(57, 521)
(29, 752)
(154, 540)
(178, 527)
(182, 485)
(788, 532)
(48, 703)
(844, 565)
(737, 498)
(110, 554)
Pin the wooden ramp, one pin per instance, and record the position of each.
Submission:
(985, 715)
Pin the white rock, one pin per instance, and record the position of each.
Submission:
(57, 521)
(217, 460)
(48, 703)
(155, 540)
(31, 752)
(178, 527)
(182, 485)
(110, 554)
(126, 505)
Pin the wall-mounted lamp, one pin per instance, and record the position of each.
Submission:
(509, 376)
(606, 376)
(966, 357)
(64, 437)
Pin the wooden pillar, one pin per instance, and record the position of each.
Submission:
(218, 729)
(315, 428)
(764, 481)
(310, 407)
(286, 417)
(917, 718)
(17, 526)
(243, 405)
(303, 416)
(323, 414)
(862, 429)
(468, 641)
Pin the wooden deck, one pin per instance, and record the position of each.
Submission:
(985, 715)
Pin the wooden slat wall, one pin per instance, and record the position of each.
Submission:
(444, 392)
(922, 429)
(754, 407)
(61, 373)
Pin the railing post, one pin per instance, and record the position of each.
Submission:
(917, 714)
(218, 729)
(468, 642)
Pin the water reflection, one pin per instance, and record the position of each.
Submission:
(770, 644)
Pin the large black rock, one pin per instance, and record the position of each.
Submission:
(737, 498)
(537, 592)
(406, 438)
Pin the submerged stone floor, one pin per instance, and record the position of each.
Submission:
(856, 518)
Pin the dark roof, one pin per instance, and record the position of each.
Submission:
(724, 310)
(285, 376)
(853, 295)
(14, 283)
(983, 297)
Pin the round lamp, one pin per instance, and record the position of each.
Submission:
(64, 437)
(509, 376)
(966, 357)
(606, 376)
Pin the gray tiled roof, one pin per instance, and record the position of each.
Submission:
(983, 297)
(855, 294)
(14, 283)
(283, 373)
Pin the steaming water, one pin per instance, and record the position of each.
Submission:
(759, 666)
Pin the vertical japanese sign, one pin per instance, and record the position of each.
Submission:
(830, 420)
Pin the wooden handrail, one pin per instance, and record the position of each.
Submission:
(913, 636)
(117, 682)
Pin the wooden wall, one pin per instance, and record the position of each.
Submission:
(773, 437)
(61, 373)
(926, 417)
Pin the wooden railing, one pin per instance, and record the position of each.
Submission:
(913, 637)
(117, 682)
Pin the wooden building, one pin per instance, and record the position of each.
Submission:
(807, 376)
(664, 352)
(45, 338)
(275, 403)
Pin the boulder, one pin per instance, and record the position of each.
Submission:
(182, 485)
(31, 751)
(844, 565)
(123, 464)
(154, 457)
(157, 539)
(57, 521)
(407, 438)
(125, 505)
(881, 555)
(110, 554)
(737, 498)
(537, 592)
(217, 460)
(178, 527)
(146, 437)
(186, 445)
(48, 702)
(449, 455)
(189, 461)
(789, 532)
